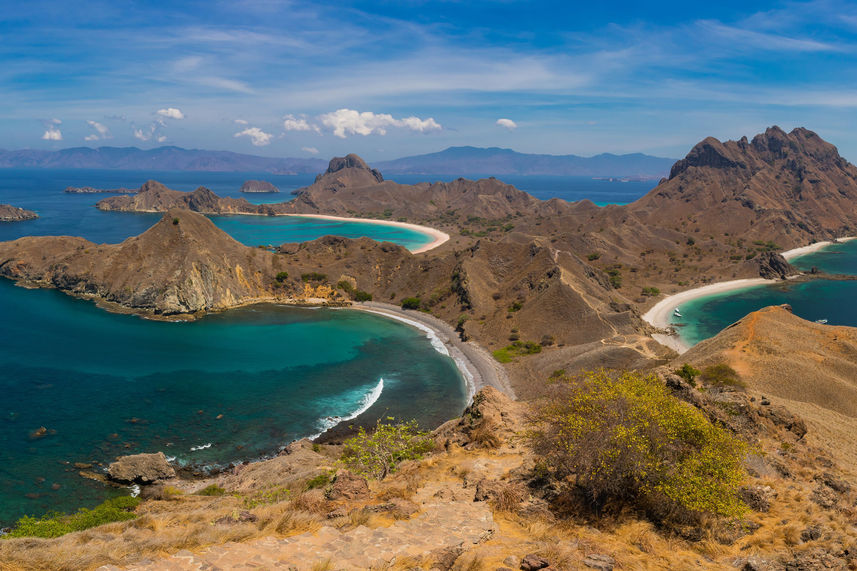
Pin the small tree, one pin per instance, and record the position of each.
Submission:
(378, 453)
(411, 303)
(626, 438)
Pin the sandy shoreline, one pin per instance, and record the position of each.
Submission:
(438, 237)
(476, 365)
(659, 315)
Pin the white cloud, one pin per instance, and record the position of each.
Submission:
(142, 135)
(507, 124)
(55, 121)
(102, 132)
(171, 112)
(240, 122)
(257, 136)
(292, 123)
(310, 150)
(162, 138)
(52, 134)
(350, 122)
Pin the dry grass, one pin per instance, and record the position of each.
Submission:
(485, 435)
(510, 495)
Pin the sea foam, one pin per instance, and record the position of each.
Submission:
(365, 404)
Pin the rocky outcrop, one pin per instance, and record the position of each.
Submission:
(258, 186)
(773, 266)
(91, 190)
(141, 469)
(9, 213)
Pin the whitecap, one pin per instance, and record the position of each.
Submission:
(435, 341)
(365, 404)
(200, 447)
(135, 490)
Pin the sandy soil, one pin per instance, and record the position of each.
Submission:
(477, 366)
(438, 237)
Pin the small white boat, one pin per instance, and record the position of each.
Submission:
(676, 312)
(821, 321)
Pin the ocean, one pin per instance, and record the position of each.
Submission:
(231, 387)
(813, 300)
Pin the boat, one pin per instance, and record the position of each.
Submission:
(821, 321)
(676, 312)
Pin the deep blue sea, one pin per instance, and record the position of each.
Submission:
(818, 299)
(231, 387)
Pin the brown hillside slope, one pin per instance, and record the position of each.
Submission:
(809, 368)
(182, 264)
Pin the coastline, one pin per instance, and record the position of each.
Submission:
(659, 315)
(437, 236)
(477, 367)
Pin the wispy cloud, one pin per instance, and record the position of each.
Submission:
(171, 113)
(507, 124)
(257, 136)
(101, 131)
(310, 150)
(292, 123)
(346, 122)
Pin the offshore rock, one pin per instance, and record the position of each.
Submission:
(141, 469)
(9, 213)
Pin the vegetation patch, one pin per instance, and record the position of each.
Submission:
(314, 277)
(721, 375)
(517, 349)
(411, 303)
(625, 439)
(55, 524)
(213, 491)
(688, 373)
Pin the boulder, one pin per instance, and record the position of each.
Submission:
(533, 562)
(347, 486)
(140, 469)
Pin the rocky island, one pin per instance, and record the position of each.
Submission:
(9, 213)
(258, 186)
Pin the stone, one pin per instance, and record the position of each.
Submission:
(533, 562)
(347, 486)
(757, 498)
(600, 562)
(512, 561)
(824, 496)
(141, 469)
(811, 533)
(834, 483)
(444, 559)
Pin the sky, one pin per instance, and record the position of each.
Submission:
(391, 78)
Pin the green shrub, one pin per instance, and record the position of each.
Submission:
(314, 277)
(593, 256)
(516, 306)
(319, 481)
(378, 453)
(212, 490)
(55, 524)
(688, 373)
(281, 276)
(360, 295)
(175, 221)
(411, 303)
(625, 439)
(650, 291)
(721, 375)
(345, 286)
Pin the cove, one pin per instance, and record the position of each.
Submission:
(230, 387)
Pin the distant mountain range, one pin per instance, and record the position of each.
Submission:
(498, 162)
(162, 158)
(460, 161)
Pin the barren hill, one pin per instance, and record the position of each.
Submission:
(155, 197)
(9, 213)
(810, 368)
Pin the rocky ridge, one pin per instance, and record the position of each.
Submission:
(258, 186)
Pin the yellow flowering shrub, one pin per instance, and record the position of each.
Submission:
(625, 437)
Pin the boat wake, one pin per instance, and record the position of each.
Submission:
(365, 404)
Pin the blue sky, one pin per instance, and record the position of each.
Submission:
(391, 78)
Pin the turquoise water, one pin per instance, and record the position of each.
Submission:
(106, 385)
(75, 214)
(818, 299)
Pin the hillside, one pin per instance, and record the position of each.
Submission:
(809, 368)
(470, 161)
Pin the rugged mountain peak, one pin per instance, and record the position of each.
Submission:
(708, 153)
(152, 186)
(353, 168)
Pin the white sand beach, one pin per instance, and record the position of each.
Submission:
(796, 252)
(659, 315)
(438, 237)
